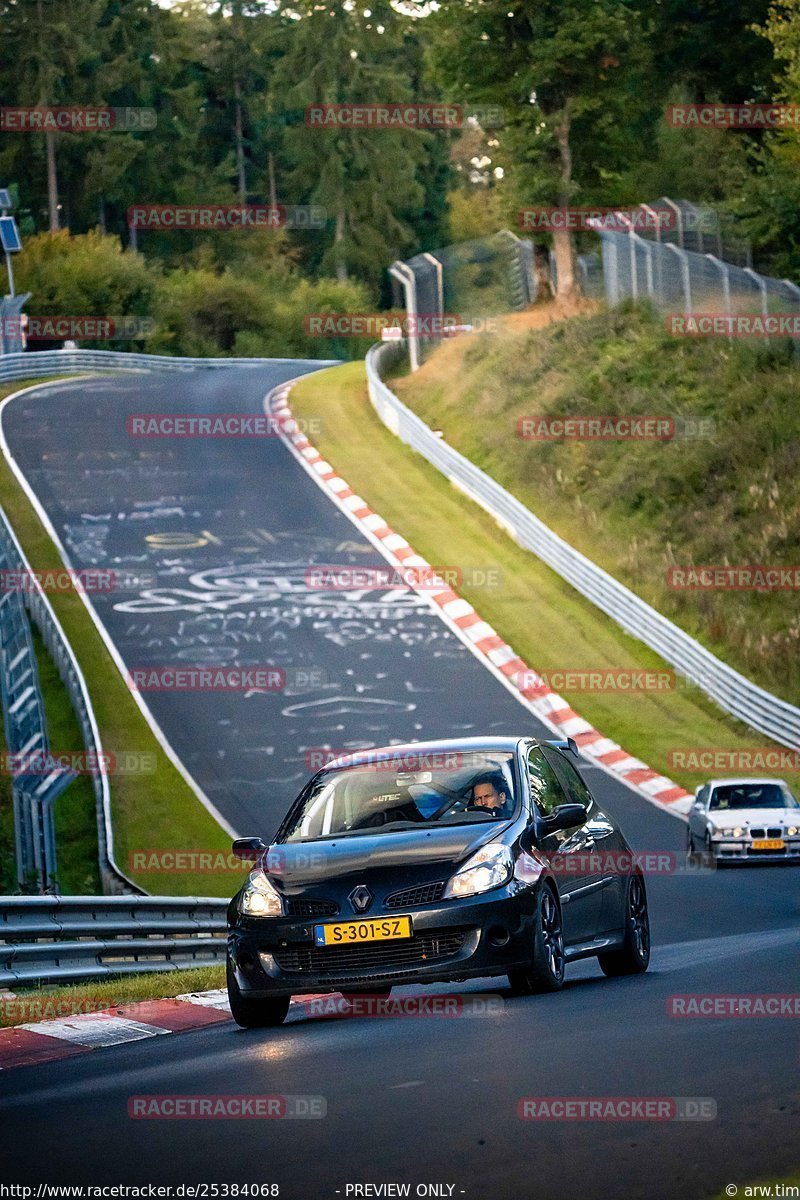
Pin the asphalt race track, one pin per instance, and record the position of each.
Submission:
(229, 527)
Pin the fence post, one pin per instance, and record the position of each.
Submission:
(405, 277)
(724, 270)
(679, 216)
(685, 275)
(439, 280)
(761, 284)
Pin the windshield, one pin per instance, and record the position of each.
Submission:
(396, 794)
(752, 795)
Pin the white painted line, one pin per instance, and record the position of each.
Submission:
(96, 1030)
(214, 999)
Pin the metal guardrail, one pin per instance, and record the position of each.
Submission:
(64, 939)
(64, 362)
(25, 727)
(41, 613)
(733, 692)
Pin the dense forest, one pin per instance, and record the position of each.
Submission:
(220, 95)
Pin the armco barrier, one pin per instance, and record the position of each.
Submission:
(66, 362)
(65, 939)
(41, 613)
(733, 692)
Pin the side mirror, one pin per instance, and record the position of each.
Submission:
(248, 849)
(566, 816)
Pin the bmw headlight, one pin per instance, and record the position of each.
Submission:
(259, 898)
(490, 867)
(792, 830)
(735, 832)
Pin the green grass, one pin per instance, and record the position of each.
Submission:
(546, 622)
(639, 507)
(149, 811)
(34, 1004)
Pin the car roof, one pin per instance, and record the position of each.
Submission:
(435, 746)
(712, 783)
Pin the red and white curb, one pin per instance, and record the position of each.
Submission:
(67, 1036)
(480, 637)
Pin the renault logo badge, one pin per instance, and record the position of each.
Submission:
(360, 898)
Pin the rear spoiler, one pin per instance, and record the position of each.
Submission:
(565, 744)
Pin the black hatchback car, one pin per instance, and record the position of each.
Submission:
(430, 862)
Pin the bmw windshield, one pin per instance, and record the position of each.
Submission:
(751, 795)
(406, 792)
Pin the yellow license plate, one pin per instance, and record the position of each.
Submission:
(348, 933)
(769, 844)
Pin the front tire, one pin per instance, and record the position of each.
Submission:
(254, 1013)
(633, 958)
(548, 964)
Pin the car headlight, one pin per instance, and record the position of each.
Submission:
(736, 832)
(792, 830)
(259, 898)
(489, 868)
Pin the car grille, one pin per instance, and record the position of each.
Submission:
(319, 959)
(426, 893)
(296, 907)
(770, 833)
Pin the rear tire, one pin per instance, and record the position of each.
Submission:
(254, 1013)
(548, 964)
(633, 958)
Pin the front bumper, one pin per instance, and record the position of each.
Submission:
(741, 850)
(452, 940)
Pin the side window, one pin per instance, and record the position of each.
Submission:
(545, 788)
(702, 795)
(574, 786)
